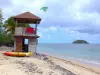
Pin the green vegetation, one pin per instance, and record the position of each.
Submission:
(10, 25)
(5, 39)
(1, 30)
(80, 42)
(7, 30)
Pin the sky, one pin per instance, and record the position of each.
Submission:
(64, 22)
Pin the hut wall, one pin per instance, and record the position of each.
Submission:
(18, 30)
(19, 44)
(22, 31)
(32, 45)
(14, 44)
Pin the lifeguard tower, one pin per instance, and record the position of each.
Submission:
(22, 33)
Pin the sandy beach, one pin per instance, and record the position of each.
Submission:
(76, 67)
(43, 65)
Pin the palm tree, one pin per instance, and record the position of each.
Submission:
(10, 25)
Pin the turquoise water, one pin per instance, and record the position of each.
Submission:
(87, 53)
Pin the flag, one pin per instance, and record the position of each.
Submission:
(29, 30)
(44, 9)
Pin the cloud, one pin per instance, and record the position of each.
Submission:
(39, 33)
(73, 16)
(5, 3)
(91, 30)
(92, 6)
(20, 6)
(51, 29)
(66, 35)
(48, 36)
(78, 18)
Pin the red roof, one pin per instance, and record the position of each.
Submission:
(27, 17)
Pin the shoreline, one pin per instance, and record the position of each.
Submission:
(79, 64)
(33, 65)
(44, 65)
(89, 62)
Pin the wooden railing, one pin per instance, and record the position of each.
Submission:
(22, 31)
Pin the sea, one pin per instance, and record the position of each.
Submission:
(84, 53)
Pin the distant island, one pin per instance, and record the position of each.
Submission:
(80, 42)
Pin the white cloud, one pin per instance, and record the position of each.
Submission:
(52, 28)
(48, 36)
(39, 33)
(75, 35)
(20, 6)
(77, 5)
(70, 15)
(29, 3)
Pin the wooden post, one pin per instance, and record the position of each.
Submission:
(16, 23)
(36, 28)
(14, 44)
(36, 46)
(36, 38)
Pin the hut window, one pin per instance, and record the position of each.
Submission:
(26, 41)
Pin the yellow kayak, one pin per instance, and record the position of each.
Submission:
(18, 54)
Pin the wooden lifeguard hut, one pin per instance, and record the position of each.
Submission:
(21, 32)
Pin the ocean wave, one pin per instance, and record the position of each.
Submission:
(82, 60)
(86, 61)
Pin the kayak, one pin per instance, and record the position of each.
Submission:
(18, 54)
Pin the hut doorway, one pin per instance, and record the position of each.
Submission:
(25, 45)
